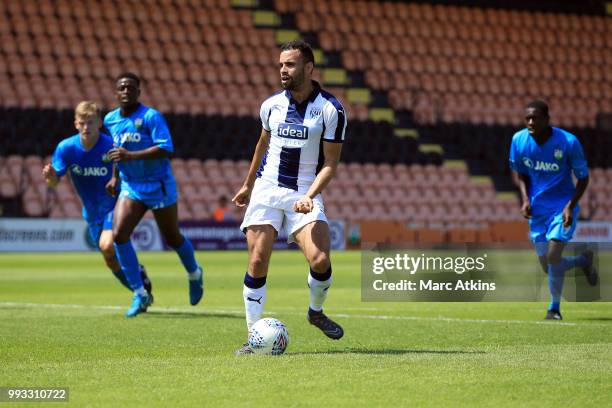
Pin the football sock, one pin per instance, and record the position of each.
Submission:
(129, 263)
(319, 283)
(145, 279)
(556, 274)
(185, 252)
(254, 294)
(121, 278)
(555, 284)
(573, 261)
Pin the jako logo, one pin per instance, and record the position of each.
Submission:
(89, 171)
(292, 131)
(544, 166)
(129, 137)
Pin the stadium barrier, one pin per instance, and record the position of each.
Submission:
(501, 231)
(71, 235)
(65, 235)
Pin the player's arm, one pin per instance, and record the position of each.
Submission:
(521, 181)
(242, 196)
(50, 175)
(119, 154)
(581, 171)
(331, 153)
(111, 186)
(52, 172)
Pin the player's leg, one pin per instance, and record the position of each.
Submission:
(260, 240)
(556, 271)
(314, 241)
(558, 236)
(107, 249)
(127, 215)
(167, 221)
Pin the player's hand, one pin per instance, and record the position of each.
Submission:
(49, 174)
(526, 209)
(118, 154)
(304, 205)
(111, 186)
(243, 196)
(568, 217)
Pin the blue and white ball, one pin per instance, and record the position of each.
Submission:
(268, 336)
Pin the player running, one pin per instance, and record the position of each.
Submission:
(143, 147)
(542, 159)
(295, 159)
(84, 155)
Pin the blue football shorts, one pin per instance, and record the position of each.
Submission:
(549, 226)
(96, 227)
(154, 194)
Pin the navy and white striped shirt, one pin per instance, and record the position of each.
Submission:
(297, 131)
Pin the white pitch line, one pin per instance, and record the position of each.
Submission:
(340, 315)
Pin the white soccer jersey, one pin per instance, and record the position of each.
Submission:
(297, 132)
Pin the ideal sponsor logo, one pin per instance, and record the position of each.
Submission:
(127, 137)
(88, 171)
(293, 131)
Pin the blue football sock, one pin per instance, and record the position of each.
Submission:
(129, 263)
(185, 252)
(556, 274)
(573, 261)
(121, 278)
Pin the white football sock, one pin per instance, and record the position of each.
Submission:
(254, 301)
(318, 292)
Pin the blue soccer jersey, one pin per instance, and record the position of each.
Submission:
(144, 128)
(90, 171)
(549, 168)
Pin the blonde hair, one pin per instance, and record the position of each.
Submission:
(87, 109)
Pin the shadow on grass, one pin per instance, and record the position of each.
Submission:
(388, 351)
(165, 314)
(599, 319)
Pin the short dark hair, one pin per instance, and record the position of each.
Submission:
(129, 75)
(301, 45)
(538, 105)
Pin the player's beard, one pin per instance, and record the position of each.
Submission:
(294, 82)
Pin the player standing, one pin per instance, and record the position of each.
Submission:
(85, 156)
(295, 159)
(542, 159)
(143, 146)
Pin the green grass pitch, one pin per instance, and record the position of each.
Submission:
(62, 325)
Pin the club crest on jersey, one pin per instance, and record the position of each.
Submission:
(558, 154)
(105, 158)
(292, 131)
(527, 162)
(315, 112)
(138, 123)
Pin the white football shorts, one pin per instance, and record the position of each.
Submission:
(273, 205)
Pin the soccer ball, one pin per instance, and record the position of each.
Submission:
(268, 336)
